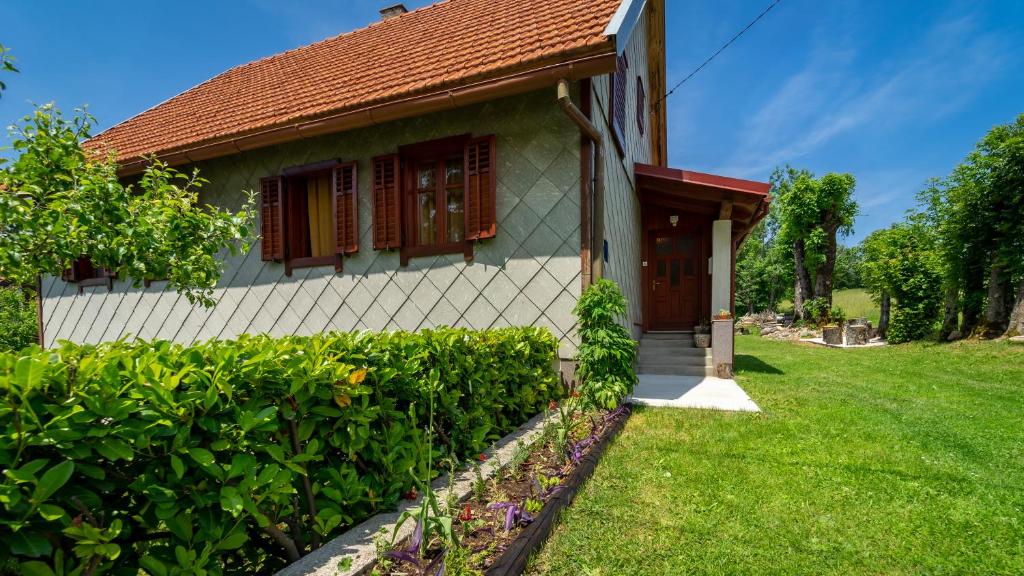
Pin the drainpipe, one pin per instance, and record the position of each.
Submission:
(590, 131)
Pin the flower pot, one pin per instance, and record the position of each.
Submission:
(702, 340)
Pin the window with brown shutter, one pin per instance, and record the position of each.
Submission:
(83, 273)
(387, 212)
(617, 107)
(481, 189)
(310, 215)
(271, 218)
(641, 105)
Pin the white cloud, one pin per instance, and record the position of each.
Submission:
(937, 76)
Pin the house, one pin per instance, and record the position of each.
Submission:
(470, 163)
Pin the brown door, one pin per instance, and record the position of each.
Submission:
(675, 257)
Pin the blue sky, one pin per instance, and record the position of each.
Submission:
(894, 92)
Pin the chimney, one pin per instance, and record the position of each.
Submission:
(392, 11)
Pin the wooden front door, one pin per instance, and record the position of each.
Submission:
(675, 257)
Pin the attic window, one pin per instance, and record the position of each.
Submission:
(83, 273)
(641, 105)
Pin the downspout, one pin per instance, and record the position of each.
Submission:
(597, 222)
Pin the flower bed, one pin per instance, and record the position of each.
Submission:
(505, 518)
(238, 457)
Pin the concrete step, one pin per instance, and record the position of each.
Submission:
(675, 370)
(668, 336)
(674, 345)
(674, 359)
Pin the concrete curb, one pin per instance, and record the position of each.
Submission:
(357, 544)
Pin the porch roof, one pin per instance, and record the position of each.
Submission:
(745, 202)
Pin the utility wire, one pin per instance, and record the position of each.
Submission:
(720, 50)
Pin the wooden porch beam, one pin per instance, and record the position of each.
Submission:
(725, 213)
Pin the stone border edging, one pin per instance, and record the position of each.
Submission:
(513, 561)
(357, 543)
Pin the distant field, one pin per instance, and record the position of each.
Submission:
(855, 302)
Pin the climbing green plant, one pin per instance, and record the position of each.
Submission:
(607, 352)
(238, 457)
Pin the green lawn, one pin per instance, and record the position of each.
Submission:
(855, 302)
(900, 460)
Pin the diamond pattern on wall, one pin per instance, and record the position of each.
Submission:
(528, 274)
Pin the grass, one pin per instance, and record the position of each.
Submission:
(899, 460)
(855, 302)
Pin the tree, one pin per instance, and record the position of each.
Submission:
(812, 212)
(979, 213)
(902, 262)
(58, 204)
(18, 326)
(763, 268)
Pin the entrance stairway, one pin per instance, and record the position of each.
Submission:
(673, 353)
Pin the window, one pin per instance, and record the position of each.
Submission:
(641, 105)
(435, 197)
(617, 107)
(85, 274)
(309, 215)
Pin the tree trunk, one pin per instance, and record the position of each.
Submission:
(973, 298)
(825, 272)
(885, 302)
(802, 289)
(997, 311)
(1016, 326)
(951, 316)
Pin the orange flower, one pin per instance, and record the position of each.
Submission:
(410, 495)
(467, 514)
(575, 393)
(482, 457)
(552, 405)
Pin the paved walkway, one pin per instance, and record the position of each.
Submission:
(692, 392)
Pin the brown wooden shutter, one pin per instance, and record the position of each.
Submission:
(481, 188)
(641, 105)
(619, 94)
(387, 214)
(272, 217)
(346, 209)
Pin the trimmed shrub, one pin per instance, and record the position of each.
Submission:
(607, 351)
(236, 457)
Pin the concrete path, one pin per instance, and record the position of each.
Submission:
(682, 391)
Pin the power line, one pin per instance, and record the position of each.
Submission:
(720, 50)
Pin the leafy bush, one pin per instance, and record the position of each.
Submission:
(819, 312)
(234, 457)
(607, 352)
(18, 322)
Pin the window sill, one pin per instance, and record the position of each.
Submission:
(107, 281)
(466, 248)
(312, 262)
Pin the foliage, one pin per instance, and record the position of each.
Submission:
(812, 212)
(828, 479)
(764, 268)
(58, 204)
(607, 351)
(978, 214)
(18, 321)
(819, 312)
(848, 265)
(6, 65)
(233, 457)
(904, 262)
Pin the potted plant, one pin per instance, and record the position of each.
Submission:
(702, 335)
(723, 314)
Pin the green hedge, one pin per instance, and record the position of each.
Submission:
(183, 460)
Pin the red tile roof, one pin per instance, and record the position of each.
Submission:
(437, 47)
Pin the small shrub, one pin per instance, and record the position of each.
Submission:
(910, 323)
(819, 312)
(607, 352)
(18, 320)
